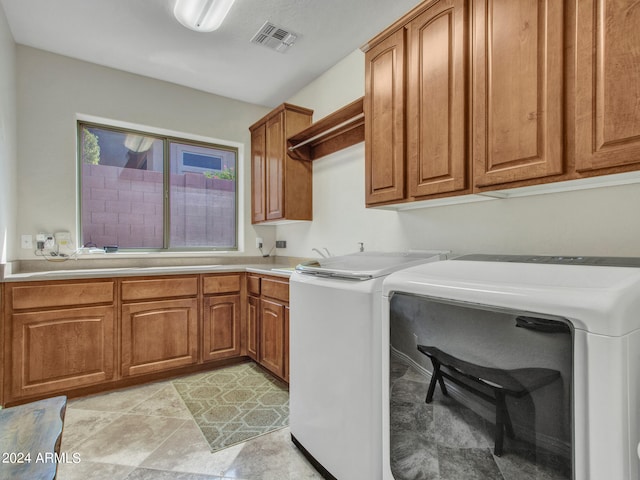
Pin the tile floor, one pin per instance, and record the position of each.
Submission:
(147, 433)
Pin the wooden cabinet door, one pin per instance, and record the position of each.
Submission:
(436, 100)
(159, 335)
(517, 90)
(253, 313)
(258, 174)
(272, 331)
(607, 84)
(221, 327)
(274, 167)
(384, 120)
(57, 350)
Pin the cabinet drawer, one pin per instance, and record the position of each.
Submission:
(61, 295)
(253, 285)
(160, 288)
(220, 284)
(277, 289)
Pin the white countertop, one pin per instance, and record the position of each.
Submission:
(281, 270)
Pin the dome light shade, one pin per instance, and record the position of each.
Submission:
(202, 15)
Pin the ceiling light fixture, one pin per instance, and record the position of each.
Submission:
(202, 15)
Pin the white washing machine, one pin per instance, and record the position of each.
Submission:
(335, 360)
(471, 308)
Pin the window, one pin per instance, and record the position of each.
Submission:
(145, 191)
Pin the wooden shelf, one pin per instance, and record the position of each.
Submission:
(341, 129)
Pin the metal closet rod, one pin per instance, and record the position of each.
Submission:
(326, 132)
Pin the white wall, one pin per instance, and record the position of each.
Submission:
(603, 221)
(8, 139)
(53, 90)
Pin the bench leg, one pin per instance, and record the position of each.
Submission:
(502, 420)
(436, 377)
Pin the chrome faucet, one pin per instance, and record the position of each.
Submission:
(319, 252)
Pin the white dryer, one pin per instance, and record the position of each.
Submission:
(577, 316)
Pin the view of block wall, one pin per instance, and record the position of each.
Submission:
(124, 207)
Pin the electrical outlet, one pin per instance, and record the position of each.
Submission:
(26, 241)
(63, 239)
(258, 242)
(45, 241)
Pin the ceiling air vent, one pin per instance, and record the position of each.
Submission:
(274, 37)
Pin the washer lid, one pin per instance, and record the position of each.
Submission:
(597, 299)
(368, 265)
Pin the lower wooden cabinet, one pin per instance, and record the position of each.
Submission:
(159, 335)
(221, 327)
(268, 323)
(58, 350)
(89, 335)
(271, 353)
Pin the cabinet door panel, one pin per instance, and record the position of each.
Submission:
(62, 349)
(436, 88)
(607, 83)
(384, 121)
(258, 175)
(272, 331)
(517, 90)
(221, 331)
(157, 336)
(274, 168)
(253, 313)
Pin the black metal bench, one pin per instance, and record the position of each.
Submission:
(516, 383)
(30, 438)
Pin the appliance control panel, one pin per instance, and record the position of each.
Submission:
(557, 260)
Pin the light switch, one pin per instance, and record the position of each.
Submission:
(27, 241)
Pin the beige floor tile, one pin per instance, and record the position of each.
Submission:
(271, 457)
(119, 400)
(164, 403)
(129, 439)
(148, 474)
(79, 425)
(85, 470)
(187, 451)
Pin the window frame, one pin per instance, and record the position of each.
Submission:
(167, 139)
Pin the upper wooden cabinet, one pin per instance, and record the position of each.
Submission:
(281, 187)
(436, 94)
(606, 113)
(415, 88)
(384, 120)
(465, 96)
(517, 65)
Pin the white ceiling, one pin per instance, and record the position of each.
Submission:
(143, 37)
